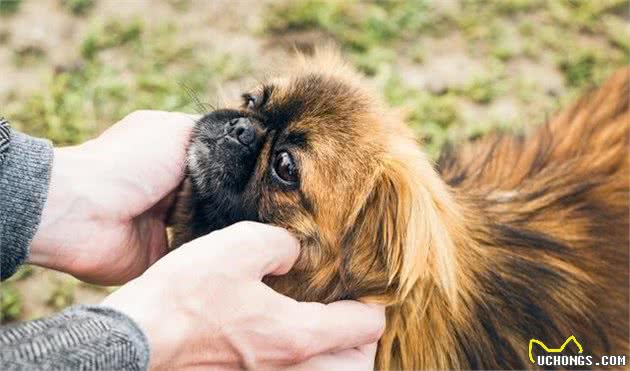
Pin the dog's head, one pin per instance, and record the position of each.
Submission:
(316, 152)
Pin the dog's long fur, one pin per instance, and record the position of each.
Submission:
(510, 238)
(542, 250)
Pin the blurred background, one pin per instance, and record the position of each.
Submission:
(70, 68)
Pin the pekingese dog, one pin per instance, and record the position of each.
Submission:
(503, 240)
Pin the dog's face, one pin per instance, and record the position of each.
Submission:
(315, 153)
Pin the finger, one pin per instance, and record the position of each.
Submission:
(340, 325)
(256, 249)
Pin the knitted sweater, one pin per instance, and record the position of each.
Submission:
(80, 337)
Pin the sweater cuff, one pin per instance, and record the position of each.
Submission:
(80, 337)
(24, 177)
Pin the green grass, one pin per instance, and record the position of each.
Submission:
(108, 35)
(78, 7)
(10, 302)
(363, 29)
(428, 114)
(578, 69)
(62, 295)
(157, 72)
(9, 7)
(483, 89)
(23, 272)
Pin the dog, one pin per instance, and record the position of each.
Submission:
(502, 240)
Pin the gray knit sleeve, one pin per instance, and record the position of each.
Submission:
(79, 338)
(25, 164)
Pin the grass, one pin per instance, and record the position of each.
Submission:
(427, 113)
(484, 88)
(158, 72)
(103, 36)
(10, 302)
(361, 28)
(578, 69)
(78, 7)
(9, 7)
(62, 294)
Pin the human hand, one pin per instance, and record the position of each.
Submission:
(104, 219)
(205, 306)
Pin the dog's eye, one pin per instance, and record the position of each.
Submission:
(258, 99)
(251, 102)
(284, 167)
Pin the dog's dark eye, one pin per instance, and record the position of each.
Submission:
(284, 167)
(257, 100)
(251, 102)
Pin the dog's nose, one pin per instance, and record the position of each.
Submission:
(242, 130)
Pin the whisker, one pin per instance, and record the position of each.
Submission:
(201, 108)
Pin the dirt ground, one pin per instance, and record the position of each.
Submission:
(70, 68)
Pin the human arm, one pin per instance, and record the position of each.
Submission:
(25, 164)
(28, 195)
(101, 337)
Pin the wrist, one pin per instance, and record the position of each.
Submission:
(67, 203)
(166, 339)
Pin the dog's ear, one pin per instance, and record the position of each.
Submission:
(407, 220)
(416, 213)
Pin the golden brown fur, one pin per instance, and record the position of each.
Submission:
(510, 238)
